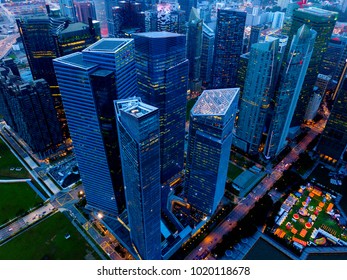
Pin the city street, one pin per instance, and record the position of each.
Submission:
(259, 191)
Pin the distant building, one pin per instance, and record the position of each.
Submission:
(103, 72)
(29, 110)
(162, 74)
(228, 47)
(67, 9)
(85, 9)
(170, 17)
(138, 136)
(194, 50)
(210, 136)
(278, 20)
(333, 141)
(208, 37)
(187, 5)
(255, 35)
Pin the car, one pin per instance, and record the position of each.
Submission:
(10, 229)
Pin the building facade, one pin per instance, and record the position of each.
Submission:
(162, 72)
(138, 134)
(89, 82)
(210, 136)
(206, 55)
(228, 47)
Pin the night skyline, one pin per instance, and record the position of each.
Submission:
(173, 130)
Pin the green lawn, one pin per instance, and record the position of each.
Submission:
(47, 241)
(234, 171)
(190, 104)
(9, 161)
(15, 199)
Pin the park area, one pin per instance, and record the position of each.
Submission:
(15, 200)
(47, 240)
(309, 217)
(10, 167)
(234, 171)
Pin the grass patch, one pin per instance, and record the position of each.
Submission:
(190, 104)
(15, 200)
(234, 171)
(47, 241)
(9, 161)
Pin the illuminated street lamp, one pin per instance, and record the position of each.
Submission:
(100, 215)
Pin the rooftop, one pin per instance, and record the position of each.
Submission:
(134, 107)
(215, 101)
(75, 27)
(318, 12)
(162, 34)
(108, 45)
(76, 60)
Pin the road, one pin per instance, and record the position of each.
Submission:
(259, 191)
(6, 44)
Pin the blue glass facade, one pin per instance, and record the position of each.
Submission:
(138, 134)
(89, 82)
(210, 136)
(162, 81)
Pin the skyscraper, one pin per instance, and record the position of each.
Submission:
(29, 110)
(67, 9)
(89, 82)
(255, 35)
(109, 4)
(187, 5)
(323, 22)
(291, 79)
(206, 54)
(138, 134)
(194, 48)
(162, 79)
(85, 9)
(261, 77)
(228, 47)
(210, 136)
(170, 17)
(333, 141)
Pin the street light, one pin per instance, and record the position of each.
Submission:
(100, 215)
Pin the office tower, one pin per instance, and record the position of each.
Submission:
(187, 5)
(206, 54)
(47, 37)
(318, 93)
(194, 49)
(162, 74)
(29, 110)
(255, 34)
(9, 62)
(170, 17)
(283, 3)
(228, 47)
(67, 9)
(323, 22)
(138, 134)
(278, 20)
(261, 77)
(89, 82)
(291, 79)
(109, 4)
(333, 141)
(85, 9)
(210, 136)
(241, 72)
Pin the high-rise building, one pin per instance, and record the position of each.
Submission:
(228, 47)
(67, 9)
(170, 17)
(333, 141)
(261, 77)
(89, 82)
(278, 20)
(241, 72)
(138, 134)
(206, 54)
(255, 35)
(210, 136)
(109, 4)
(85, 9)
(29, 110)
(187, 5)
(162, 70)
(323, 22)
(194, 49)
(47, 37)
(291, 79)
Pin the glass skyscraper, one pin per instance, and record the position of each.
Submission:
(206, 54)
(138, 134)
(210, 136)
(89, 82)
(323, 22)
(162, 72)
(228, 47)
(291, 79)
